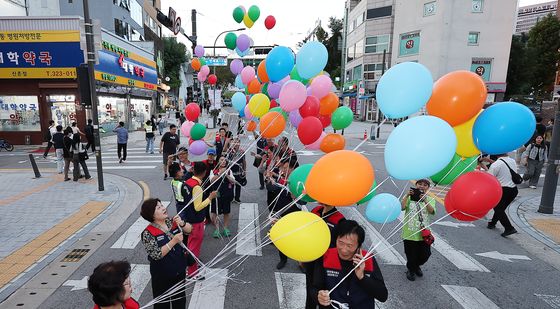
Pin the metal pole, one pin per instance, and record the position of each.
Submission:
(193, 21)
(90, 50)
(551, 177)
(378, 112)
(34, 166)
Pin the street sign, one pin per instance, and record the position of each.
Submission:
(216, 61)
(177, 26)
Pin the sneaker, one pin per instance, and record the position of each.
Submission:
(237, 201)
(261, 188)
(165, 177)
(88, 177)
(120, 160)
(281, 264)
(491, 226)
(419, 272)
(533, 187)
(226, 232)
(410, 275)
(509, 232)
(67, 179)
(216, 234)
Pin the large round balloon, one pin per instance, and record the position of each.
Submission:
(333, 142)
(503, 127)
(457, 97)
(247, 113)
(274, 90)
(261, 72)
(309, 130)
(419, 148)
(238, 14)
(459, 215)
(247, 21)
(465, 142)
(279, 63)
(254, 86)
(340, 178)
(195, 64)
(325, 120)
(301, 236)
(212, 79)
(238, 100)
(198, 147)
(342, 118)
(311, 107)
(205, 70)
(199, 51)
(254, 12)
(201, 77)
(321, 86)
(370, 194)
(236, 66)
(316, 145)
(251, 126)
(243, 42)
(311, 59)
(198, 131)
(272, 124)
(475, 192)
(186, 128)
(259, 104)
(279, 110)
(269, 22)
(296, 181)
(192, 111)
(329, 104)
(239, 82)
(247, 74)
(457, 167)
(383, 208)
(292, 95)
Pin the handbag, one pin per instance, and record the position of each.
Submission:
(427, 235)
(83, 155)
(257, 162)
(515, 177)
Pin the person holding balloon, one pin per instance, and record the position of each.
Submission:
(222, 205)
(237, 158)
(168, 146)
(501, 170)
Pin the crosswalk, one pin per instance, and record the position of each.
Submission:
(131, 238)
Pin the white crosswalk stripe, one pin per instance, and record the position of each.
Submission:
(291, 293)
(249, 237)
(469, 297)
(139, 278)
(211, 292)
(131, 238)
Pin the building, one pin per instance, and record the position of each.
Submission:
(528, 16)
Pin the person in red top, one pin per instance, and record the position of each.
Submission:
(110, 286)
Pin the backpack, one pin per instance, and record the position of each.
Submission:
(516, 178)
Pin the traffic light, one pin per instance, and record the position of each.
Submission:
(163, 19)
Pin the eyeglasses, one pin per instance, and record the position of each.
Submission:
(127, 282)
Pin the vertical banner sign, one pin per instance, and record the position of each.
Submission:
(482, 67)
(409, 44)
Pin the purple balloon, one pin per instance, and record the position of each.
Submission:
(309, 91)
(274, 90)
(243, 42)
(198, 148)
(236, 66)
(295, 118)
(199, 51)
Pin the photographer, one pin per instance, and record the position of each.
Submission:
(418, 209)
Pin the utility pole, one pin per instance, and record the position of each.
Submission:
(90, 51)
(551, 176)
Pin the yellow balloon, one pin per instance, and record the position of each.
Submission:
(259, 105)
(301, 235)
(465, 142)
(247, 21)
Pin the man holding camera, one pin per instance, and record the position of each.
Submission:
(418, 209)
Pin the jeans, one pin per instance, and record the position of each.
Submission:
(534, 169)
(508, 195)
(150, 144)
(121, 148)
(67, 162)
(59, 160)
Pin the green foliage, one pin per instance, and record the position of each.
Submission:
(518, 75)
(174, 55)
(225, 77)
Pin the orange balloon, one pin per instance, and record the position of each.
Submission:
(254, 86)
(457, 97)
(251, 126)
(328, 104)
(272, 124)
(195, 64)
(333, 142)
(340, 178)
(261, 72)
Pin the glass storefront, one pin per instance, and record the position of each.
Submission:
(63, 109)
(139, 113)
(111, 110)
(19, 113)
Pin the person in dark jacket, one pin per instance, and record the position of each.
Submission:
(68, 152)
(58, 141)
(88, 130)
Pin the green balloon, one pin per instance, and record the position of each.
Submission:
(254, 13)
(202, 61)
(238, 14)
(370, 195)
(342, 118)
(230, 40)
(457, 167)
(295, 76)
(278, 109)
(198, 131)
(264, 89)
(297, 179)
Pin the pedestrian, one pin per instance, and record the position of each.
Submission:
(534, 158)
(162, 240)
(80, 155)
(240, 125)
(48, 137)
(548, 133)
(501, 170)
(179, 189)
(68, 151)
(224, 183)
(168, 146)
(362, 287)
(182, 119)
(160, 125)
(150, 137)
(208, 106)
(88, 130)
(220, 142)
(220, 117)
(58, 142)
(182, 158)
(111, 287)
(270, 168)
(122, 140)
(153, 122)
(76, 130)
(236, 156)
(418, 208)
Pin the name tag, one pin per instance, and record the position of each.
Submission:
(160, 238)
(332, 273)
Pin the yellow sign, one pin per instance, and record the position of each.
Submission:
(106, 77)
(47, 73)
(39, 36)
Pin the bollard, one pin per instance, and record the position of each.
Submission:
(34, 165)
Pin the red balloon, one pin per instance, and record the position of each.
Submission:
(192, 111)
(461, 216)
(274, 104)
(310, 107)
(325, 120)
(191, 141)
(212, 79)
(475, 192)
(270, 22)
(309, 130)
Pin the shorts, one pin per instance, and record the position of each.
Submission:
(224, 206)
(166, 157)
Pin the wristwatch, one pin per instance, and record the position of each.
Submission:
(184, 223)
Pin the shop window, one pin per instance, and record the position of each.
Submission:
(359, 49)
(121, 29)
(376, 44)
(19, 113)
(63, 110)
(350, 53)
(123, 3)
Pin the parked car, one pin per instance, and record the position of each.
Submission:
(227, 102)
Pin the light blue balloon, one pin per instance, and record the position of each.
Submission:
(242, 113)
(404, 89)
(239, 101)
(503, 127)
(242, 53)
(311, 59)
(383, 208)
(279, 63)
(238, 82)
(419, 148)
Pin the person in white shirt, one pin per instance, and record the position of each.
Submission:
(50, 133)
(500, 170)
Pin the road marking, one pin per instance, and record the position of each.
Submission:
(20, 162)
(454, 224)
(383, 249)
(249, 236)
(552, 300)
(503, 257)
(291, 291)
(145, 189)
(211, 292)
(77, 284)
(130, 157)
(132, 161)
(469, 297)
(139, 278)
(125, 167)
(131, 238)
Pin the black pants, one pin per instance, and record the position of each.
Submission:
(508, 195)
(417, 253)
(49, 145)
(237, 192)
(310, 300)
(121, 147)
(161, 285)
(90, 142)
(261, 179)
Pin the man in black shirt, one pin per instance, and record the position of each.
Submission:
(88, 130)
(168, 146)
(58, 141)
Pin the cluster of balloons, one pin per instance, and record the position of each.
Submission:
(241, 44)
(195, 131)
(198, 64)
(249, 17)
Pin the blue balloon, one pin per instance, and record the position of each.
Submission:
(503, 127)
(404, 89)
(242, 113)
(383, 208)
(238, 82)
(311, 59)
(279, 63)
(239, 101)
(419, 148)
(242, 53)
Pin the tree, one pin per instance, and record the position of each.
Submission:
(333, 45)
(175, 54)
(518, 67)
(543, 51)
(225, 77)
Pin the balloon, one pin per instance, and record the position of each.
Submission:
(454, 169)
(340, 178)
(238, 100)
(201, 77)
(241, 53)
(205, 70)
(251, 126)
(294, 75)
(412, 76)
(310, 107)
(342, 118)
(259, 104)
(202, 61)
(247, 112)
(465, 142)
(296, 181)
(316, 145)
(254, 86)
(243, 42)
(254, 13)
(186, 128)
(269, 22)
(195, 64)
(475, 192)
(242, 113)
(272, 124)
(239, 82)
(383, 208)
(295, 118)
(457, 97)
(311, 59)
(192, 111)
(279, 63)
(261, 72)
(503, 127)
(199, 51)
(264, 89)
(459, 215)
(325, 120)
(231, 42)
(198, 148)
(273, 104)
(238, 14)
(301, 236)
(309, 130)
(236, 66)
(247, 21)
(321, 86)
(198, 131)
(370, 195)
(212, 79)
(292, 95)
(419, 148)
(332, 142)
(329, 104)
(247, 74)
(279, 110)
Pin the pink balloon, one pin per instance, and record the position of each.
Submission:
(248, 114)
(201, 77)
(317, 144)
(292, 95)
(205, 70)
(186, 128)
(321, 86)
(247, 74)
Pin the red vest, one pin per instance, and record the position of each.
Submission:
(128, 304)
(331, 219)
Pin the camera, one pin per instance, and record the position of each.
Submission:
(416, 194)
